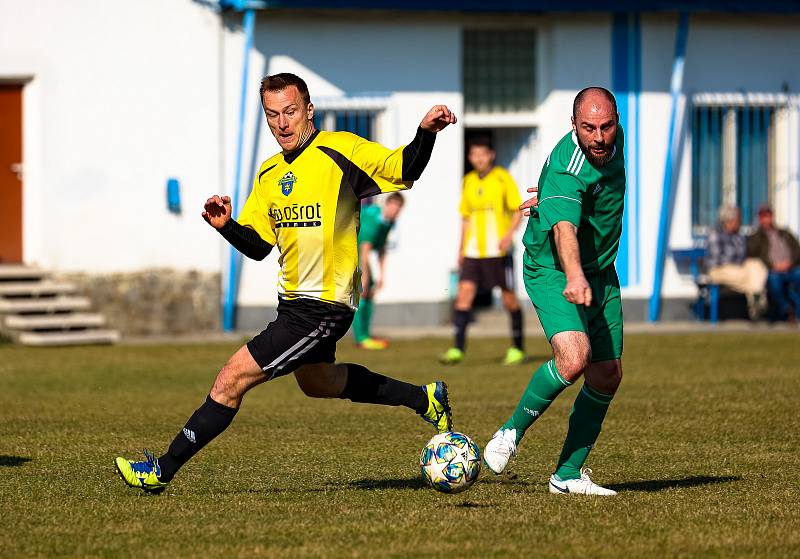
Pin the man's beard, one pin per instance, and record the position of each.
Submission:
(593, 159)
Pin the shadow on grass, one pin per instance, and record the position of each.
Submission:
(11, 461)
(653, 485)
(401, 483)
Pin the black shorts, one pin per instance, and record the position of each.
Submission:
(305, 332)
(488, 273)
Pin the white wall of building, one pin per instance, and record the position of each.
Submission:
(119, 97)
(122, 96)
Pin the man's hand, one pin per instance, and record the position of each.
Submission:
(217, 211)
(437, 119)
(532, 202)
(578, 291)
(505, 243)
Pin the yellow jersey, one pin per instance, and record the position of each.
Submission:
(306, 203)
(488, 204)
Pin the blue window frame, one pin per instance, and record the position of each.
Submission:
(361, 123)
(732, 146)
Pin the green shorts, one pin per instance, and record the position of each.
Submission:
(602, 321)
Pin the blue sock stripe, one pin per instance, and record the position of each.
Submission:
(551, 367)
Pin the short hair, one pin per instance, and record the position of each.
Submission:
(765, 209)
(593, 89)
(480, 142)
(728, 212)
(279, 82)
(396, 197)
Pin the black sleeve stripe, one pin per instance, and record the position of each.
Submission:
(266, 170)
(245, 240)
(417, 154)
(362, 184)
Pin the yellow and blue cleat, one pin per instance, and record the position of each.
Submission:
(143, 474)
(438, 412)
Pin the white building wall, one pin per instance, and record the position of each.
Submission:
(724, 54)
(120, 96)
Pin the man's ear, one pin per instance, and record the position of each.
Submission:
(310, 110)
(572, 119)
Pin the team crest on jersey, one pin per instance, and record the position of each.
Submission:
(287, 183)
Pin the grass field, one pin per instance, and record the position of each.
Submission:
(701, 443)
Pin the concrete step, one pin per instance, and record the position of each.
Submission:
(35, 288)
(18, 272)
(83, 337)
(50, 305)
(54, 321)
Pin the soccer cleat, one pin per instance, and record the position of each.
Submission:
(438, 413)
(451, 356)
(514, 356)
(373, 344)
(500, 450)
(581, 486)
(143, 474)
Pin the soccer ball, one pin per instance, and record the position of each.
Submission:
(450, 462)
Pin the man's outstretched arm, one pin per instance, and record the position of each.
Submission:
(417, 154)
(217, 213)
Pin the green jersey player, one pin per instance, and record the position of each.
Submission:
(571, 243)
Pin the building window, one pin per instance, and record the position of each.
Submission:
(734, 147)
(499, 70)
(359, 122)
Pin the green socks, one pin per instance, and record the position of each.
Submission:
(585, 422)
(546, 383)
(362, 319)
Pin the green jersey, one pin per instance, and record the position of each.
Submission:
(374, 229)
(591, 198)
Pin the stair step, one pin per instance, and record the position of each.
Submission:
(55, 304)
(58, 321)
(16, 272)
(83, 337)
(35, 288)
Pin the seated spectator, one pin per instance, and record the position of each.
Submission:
(779, 250)
(727, 263)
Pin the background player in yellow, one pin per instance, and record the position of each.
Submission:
(489, 202)
(305, 201)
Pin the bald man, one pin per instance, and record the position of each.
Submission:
(571, 242)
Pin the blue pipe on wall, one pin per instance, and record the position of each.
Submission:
(234, 258)
(676, 84)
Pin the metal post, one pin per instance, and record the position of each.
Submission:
(234, 258)
(676, 84)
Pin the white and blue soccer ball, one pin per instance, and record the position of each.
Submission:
(450, 462)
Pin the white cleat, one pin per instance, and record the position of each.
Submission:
(581, 486)
(500, 449)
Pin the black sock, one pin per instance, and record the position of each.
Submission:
(517, 329)
(373, 388)
(208, 421)
(460, 321)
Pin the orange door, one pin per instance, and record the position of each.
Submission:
(11, 173)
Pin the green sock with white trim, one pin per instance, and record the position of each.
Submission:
(546, 383)
(585, 422)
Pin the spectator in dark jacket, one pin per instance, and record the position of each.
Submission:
(727, 263)
(780, 251)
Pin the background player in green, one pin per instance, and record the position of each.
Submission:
(571, 243)
(376, 223)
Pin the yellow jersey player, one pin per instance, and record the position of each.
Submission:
(305, 202)
(489, 202)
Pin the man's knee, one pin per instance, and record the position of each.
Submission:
(510, 300)
(573, 354)
(605, 376)
(465, 295)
